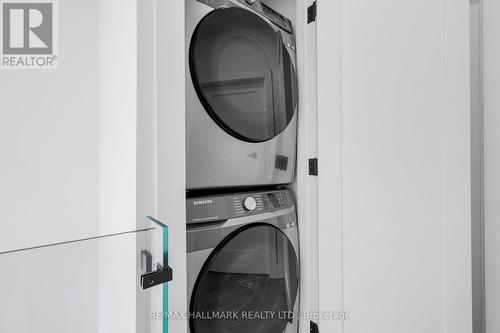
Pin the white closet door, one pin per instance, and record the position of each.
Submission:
(394, 165)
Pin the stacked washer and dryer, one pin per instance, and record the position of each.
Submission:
(241, 134)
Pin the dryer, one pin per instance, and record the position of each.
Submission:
(241, 95)
(243, 263)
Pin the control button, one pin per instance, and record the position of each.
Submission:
(251, 2)
(250, 204)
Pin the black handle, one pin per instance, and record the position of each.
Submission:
(160, 276)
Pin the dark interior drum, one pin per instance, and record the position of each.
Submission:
(243, 74)
(249, 284)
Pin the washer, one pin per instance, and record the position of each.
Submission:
(243, 263)
(241, 95)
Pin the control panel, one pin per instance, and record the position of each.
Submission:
(260, 202)
(278, 19)
(275, 17)
(224, 207)
(247, 203)
(276, 200)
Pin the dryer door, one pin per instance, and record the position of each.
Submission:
(249, 284)
(243, 74)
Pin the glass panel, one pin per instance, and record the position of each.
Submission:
(68, 133)
(243, 74)
(254, 271)
(88, 285)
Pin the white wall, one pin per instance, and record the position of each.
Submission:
(394, 178)
(49, 139)
(117, 163)
(68, 171)
(117, 115)
(49, 182)
(491, 84)
(68, 136)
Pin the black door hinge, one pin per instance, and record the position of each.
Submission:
(314, 327)
(313, 167)
(311, 13)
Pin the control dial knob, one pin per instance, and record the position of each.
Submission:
(249, 204)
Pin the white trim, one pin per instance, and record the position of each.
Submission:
(171, 146)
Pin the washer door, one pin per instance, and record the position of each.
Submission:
(249, 284)
(243, 74)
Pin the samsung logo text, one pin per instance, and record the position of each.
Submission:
(202, 202)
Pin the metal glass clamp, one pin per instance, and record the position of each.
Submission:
(154, 278)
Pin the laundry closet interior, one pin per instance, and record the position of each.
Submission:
(250, 161)
(389, 169)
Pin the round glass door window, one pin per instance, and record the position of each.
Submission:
(249, 284)
(243, 74)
